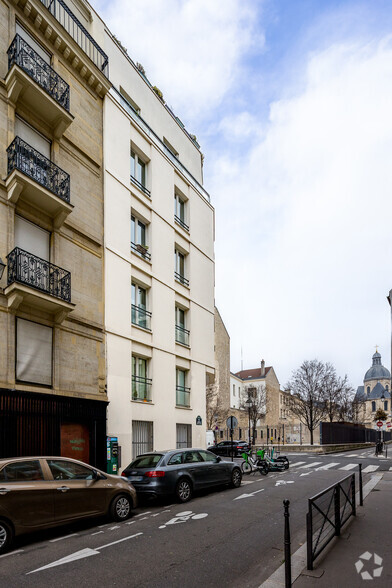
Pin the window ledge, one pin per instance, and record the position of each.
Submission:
(144, 329)
(183, 407)
(139, 401)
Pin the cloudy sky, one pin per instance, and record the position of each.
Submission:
(291, 101)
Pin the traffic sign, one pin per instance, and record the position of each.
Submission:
(231, 422)
(379, 423)
(389, 425)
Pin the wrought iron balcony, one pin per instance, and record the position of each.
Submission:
(183, 396)
(182, 279)
(181, 223)
(141, 317)
(182, 335)
(21, 54)
(140, 186)
(26, 159)
(79, 33)
(30, 270)
(141, 249)
(141, 388)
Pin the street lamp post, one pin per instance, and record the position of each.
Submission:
(248, 404)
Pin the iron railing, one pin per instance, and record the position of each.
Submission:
(141, 388)
(21, 54)
(183, 396)
(327, 513)
(141, 317)
(26, 268)
(182, 335)
(181, 223)
(140, 186)
(26, 159)
(141, 249)
(79, 33)
(181, 278)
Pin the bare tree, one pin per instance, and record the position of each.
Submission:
(358, 410)
(337, 394)
(215, 411)
(253, 400)
(307, 387)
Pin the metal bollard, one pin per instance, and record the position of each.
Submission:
(287, 544)
(360, 486)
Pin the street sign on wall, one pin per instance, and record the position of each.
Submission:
(379, 423)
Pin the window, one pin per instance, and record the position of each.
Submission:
(220, 434)
(179, 267)
(170, 147)
(139, 172)
(373, 406)
(67, 470)
(32, 137)
(182, 392)
(143, 441)
(386, 405)
(207, 456)
(233, 389)
(141, 384)
(386, 388)
(32, 238)
(182, 334)
(183, 436)
(261, 433)
(140, 316)
(179, 212)
(34, 345)
(368, 390)
(33, 43)
(239, 433)
(22, 471)
(175, 459)
(138, 238)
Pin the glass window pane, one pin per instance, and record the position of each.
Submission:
(133, 229)
(142, 298)
(133, 164)
(23, 471)
(141, 233)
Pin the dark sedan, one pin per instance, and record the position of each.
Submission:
(180, 472)
(227, 447)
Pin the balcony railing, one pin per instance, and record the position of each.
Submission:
(181, 278)
(140, 186)
(182, 335)
(141, 317)
(78, 32)
(30, 270)
(141, 388)
(141, 249)
(26, 159)
(183, 396)
(181, 223)
(21, 54)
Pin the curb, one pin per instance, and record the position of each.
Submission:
(299, 558)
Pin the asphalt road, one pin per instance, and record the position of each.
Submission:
(225, 537)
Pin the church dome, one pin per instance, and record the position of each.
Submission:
(377, 371)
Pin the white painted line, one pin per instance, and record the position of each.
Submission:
(142, 514)
(143, 519)
(328, 466)
(11, 553)
(351, 455)
(297, 463)
(350, 466)
(130, 523)
(283, 482)
(119, 541)
(246, 482)
(370, 468)
(65, 537)
(307, 474)
(97, 533)
(115, 527)
(248, 495)
(310, 465)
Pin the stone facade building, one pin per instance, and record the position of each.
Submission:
(374, 394)
(53, 79)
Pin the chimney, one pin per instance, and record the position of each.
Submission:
(262, 365)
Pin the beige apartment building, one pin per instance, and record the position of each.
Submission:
(53, 80)
(159, 267)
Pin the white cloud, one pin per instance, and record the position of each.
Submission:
(190, 49)
(303, 221)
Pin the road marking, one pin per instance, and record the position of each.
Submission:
(350, 466)
(370, 468)
(130, 523)
(297, 463)
(80, 555)
(115, 527)
(307, 474)
(18, 551)
(245, 482)
(327, 466)
(283, 482)
(351, 455)
(248, 495)
(310, 465)
(143, 514)
(183, 517)
(97, 533)
(65, 537)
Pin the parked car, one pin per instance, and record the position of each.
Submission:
(225, 448)
(42, 492)
(180, 472)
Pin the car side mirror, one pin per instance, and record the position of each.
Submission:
(218, 459)
(97, 475)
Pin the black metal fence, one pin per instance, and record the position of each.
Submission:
(26, 268)
(20, 53)
(327, 513)
(31, 162)
(331, 433)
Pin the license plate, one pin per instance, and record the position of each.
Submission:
(135, 478)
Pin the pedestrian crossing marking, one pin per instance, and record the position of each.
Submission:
(297, 463)
(310, 465)
(350, 466)
(352, 455)
(245, 482)
(327, 466)
(371, 468)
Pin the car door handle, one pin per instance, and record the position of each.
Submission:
(4, 490)
(63, 489)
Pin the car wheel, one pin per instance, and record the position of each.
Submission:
(184, 490)
(236, 478)
(6, 536)
(120, 509)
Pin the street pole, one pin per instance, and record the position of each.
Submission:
(249, 423)
(287, 550)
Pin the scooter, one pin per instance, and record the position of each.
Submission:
(282, 459)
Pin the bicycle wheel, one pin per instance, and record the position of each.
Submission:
(263, 469)
(246, 467)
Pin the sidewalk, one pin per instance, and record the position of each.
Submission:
(368, 533)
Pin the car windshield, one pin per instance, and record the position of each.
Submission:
(146, 461)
